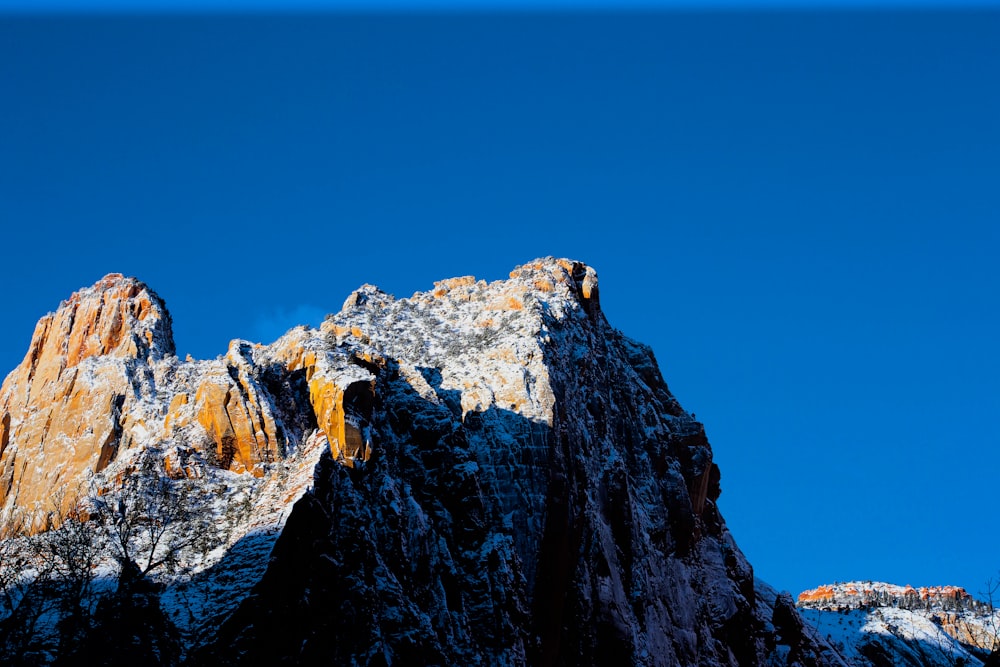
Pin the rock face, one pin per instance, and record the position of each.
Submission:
(874, 624)
(506, 480)
(858, 594)
(79, 394)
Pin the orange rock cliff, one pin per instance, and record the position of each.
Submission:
(101, 381)
(71, 402)
(857, 594)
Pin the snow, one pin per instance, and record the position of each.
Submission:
(507, 410)
(937, 626)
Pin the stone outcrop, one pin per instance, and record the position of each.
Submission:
(341, 396)
(76, 399)
(101, 378)
(340, 388)
(236, 413)
(343, 415)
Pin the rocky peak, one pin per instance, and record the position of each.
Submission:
(117, 316)
(66, 403)
(505, 478)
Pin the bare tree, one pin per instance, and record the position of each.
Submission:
(150, 521)
(978, 625)
(60, 567)
(14, 563)
(71, 549)
(991, 627)
(25, 592)
(49, 602)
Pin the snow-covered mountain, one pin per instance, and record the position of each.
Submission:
(480, 474)
(876, 624)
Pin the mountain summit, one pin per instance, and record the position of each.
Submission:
(484, 473)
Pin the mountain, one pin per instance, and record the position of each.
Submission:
(480, 474)
(874, 624)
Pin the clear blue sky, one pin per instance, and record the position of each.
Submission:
(799, 211)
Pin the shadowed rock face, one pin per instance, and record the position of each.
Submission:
(508, 480)
(534, 495)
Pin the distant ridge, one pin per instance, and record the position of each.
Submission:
(877, 624)
(861, 594)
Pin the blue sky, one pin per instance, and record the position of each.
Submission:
(271, 6)
(798, 210)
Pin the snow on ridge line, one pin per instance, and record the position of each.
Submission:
(854, 594)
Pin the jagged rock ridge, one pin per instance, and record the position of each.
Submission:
(497, 477)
